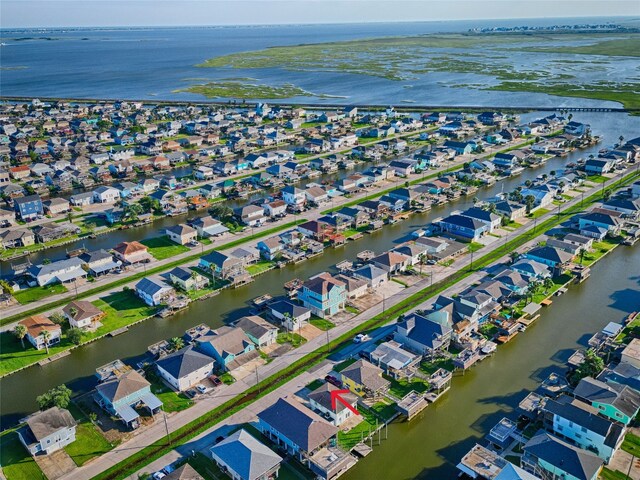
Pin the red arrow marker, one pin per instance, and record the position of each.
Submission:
(335, 396)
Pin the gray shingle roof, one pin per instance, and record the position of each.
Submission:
(183, 362)
(245, 455)
(50, 421)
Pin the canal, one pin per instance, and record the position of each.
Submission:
(18, 391)
(431, 445)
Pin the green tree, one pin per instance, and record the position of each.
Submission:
(176, 343)
(591, 366)
(46, 336)
(56, 397)
(75, 335)
(57, 318)
(529, 202)
(150, 205)
(20, 331)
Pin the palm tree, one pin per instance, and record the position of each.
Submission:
(176, 343)
(20, 332)
(46, 336)
(548, 284)
(475, 200)
(194, 277)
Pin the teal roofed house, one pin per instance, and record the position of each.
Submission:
(324, 295)
(123, 394)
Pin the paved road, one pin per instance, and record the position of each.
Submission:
(222, 394)
(312, 214)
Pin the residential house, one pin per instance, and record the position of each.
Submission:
(293, 196)
(531, 269)
(230, 347)
(464, 228)
(394, 360)
(261, 332)
(541, 198)
(322, 402)
(81, 199)
(62, 271)
(629, 208)
(323, 295)
(35, 325)
(610, 223)
(154, 292)
(579, 424)
(617, 402)
(48, 431)
(56, 206)
(131, 253)
(187, 279)
(28, 208)
(422, 335)
(222, 265)
(17, 237)
(242, 457)
(82, 314)
(550, 256)
(99, 262)
(355, 287)
(185, 368)
(391, 262)
(120, 396)
(551, 458)
(208, 227)
(251, 215)
(484, 216)
(364, 379)
(372, 274)
(292, 316)
(598, 166)
(271, 247)
(275, 208)
(105, 194)
(182, 234)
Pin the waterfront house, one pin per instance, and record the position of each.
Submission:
(550, 256)
(81, 199)
(17, 237)
(631, 354)
(28, 208)
(580, 241)
(541, 198)
(617, 402)
(323, 295)
(293, 196)
(230, 347)
(182, 234)
(549, 457)
(513, 211)
(105, 194)
(355, 287)
(185, 368)
(131, 253)
(185, 472)
(187, 279)
(35, 325)
(629, 208)
(261, 332)
(579, 423)
(210, 191)
(598, 166)
(321, 401)
(271, 247)
(56, 206)
(82, 314)
(208, 227)
(154, 292)
(48, 431)
(62, 271)
(364, 379)
(203, 173)
(391, 262)
(372, 274)
(610, 223)
(295, 428)
(315, 230)
(394, 360)
(251, 215)
(243, 457)
(222, 265)
(120, 396)
(531, 269)
(483, 216)
(422, 335)
(464, 228)
(512, 280)
(292, 316)
(99, 262)
(275, 208)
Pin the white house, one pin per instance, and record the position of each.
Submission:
(106, 194)
(185, 368)
(48, 431)
(321, 401)
(153, 292)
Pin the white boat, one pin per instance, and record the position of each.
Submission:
(488, 348)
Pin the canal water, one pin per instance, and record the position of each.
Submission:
(18, 391)
(431, 445)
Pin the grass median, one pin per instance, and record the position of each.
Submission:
(161, 447)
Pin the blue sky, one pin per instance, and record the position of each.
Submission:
(56, 13)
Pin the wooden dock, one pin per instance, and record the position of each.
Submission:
(53, 358)
(118, 331)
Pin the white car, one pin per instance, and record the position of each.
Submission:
(361, 337)
(201, 388)
(158, 475)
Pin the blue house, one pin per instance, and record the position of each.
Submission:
(463, 227)
(550, 256)
(461, 148)
(324, 295)
(28, 208)
(123, 394)
(229, 346)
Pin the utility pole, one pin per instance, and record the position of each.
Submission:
(166, 426)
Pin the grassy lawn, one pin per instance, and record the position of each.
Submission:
(89, 441)
(488, 330)
(607, 474)
(384, 409)
(538, 213)
(227, 378)
(260, 267)
(475, 246)
(632, 330)
(351, 309)
(322, 323)
(597, 178)
(342, 365)
(16, 463)
(122, 308)
(631, 444)
(317, 383)
(557, 283)
(161, 247)
(38, 293)
(431, 367)
(293, 338)
(598, 251)
(400, 388)
(171, 401)
(350, 439)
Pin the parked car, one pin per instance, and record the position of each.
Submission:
(333, 381)
(201, 388)
(215, 380)
(158, 475)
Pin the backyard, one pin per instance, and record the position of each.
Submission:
(161, 247)
(400, 388)
(350, 439)
(260, 267)
(89, 441)
(16, 463)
